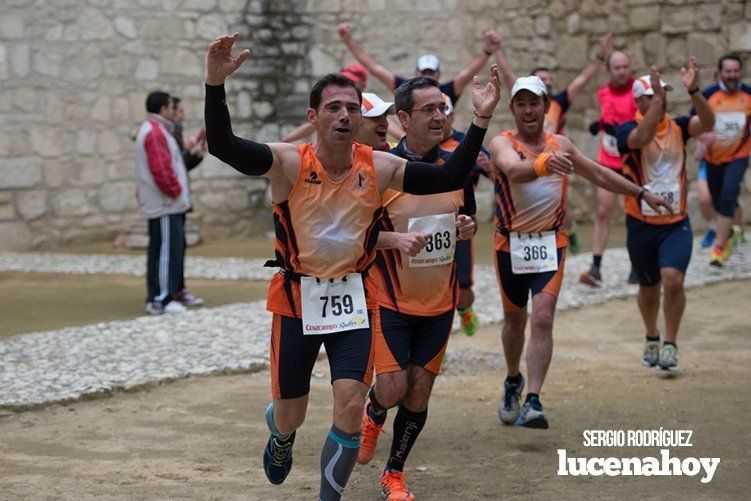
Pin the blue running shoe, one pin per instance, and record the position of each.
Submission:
(531, 415)
(706, 242)
(508, 408)
(277, 459)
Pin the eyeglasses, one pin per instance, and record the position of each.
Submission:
(430, 109)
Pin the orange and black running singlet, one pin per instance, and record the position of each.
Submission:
(325, 228)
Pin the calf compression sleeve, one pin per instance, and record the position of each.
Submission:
(248, 157)
(337, 461)
(421, 178)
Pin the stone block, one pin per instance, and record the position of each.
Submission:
(707, 47)
(101, 109)
(47, 142)
(645, 18)
(210, 26)
(94, 25)
(199, 5)
(25, 99)
(571, 52)
(70, 202)
(740, 36)
(573, 23)
(3, 63)
(86, 172)
(118, 197)
(12, 26)
(654, 49)
(20, 172)
(48, 62)
(677, 20)
(147, 69)
(181, 62)
(7, 212)
(676, 52)
(108, 142)
(708, 16)
(19, 60)
(31, 204)
(14, 236)
(125, 27)
(542, 25)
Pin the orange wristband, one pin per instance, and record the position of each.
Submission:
(541, 167)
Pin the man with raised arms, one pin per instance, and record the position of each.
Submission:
(417, 287)
(327, 207)
(616, 107)
(428, 65)
(531, 168)
(653, 147)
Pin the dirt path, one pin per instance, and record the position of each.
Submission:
(202, 438)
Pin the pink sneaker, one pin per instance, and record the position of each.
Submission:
(187, 298)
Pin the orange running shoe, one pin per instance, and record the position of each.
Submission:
(393, 486)
(370, 431)
(718, 257)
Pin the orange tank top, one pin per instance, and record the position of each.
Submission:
(426, 291)
(532, 207)
(325, 228)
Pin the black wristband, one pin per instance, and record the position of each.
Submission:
(693, 91)
(487, 53)
(600, 57)
(640, 196)
(488, 117)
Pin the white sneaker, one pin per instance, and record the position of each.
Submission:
(154, 308)
(175, 307)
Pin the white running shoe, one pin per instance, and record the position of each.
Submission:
(669, 358)
(175, 307)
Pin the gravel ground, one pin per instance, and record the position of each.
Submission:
(73, 363)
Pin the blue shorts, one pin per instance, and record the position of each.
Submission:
(653, 247)
(724, 183)
(701, 174)
(464, 258)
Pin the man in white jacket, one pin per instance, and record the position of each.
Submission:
(163, 197)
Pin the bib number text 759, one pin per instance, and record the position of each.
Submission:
(338, 305)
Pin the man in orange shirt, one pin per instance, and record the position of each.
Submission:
(418, 290)
(327, 204)
(727, 155)
(653, 148)
(531, 168)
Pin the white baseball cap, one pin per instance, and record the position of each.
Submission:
(531, 83)
(373, 106)
(449, 104)
(428, 62)
(643, 86)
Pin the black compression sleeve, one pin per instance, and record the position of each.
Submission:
(421, 178)
(248, 157)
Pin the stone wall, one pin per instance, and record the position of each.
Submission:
(75, 75)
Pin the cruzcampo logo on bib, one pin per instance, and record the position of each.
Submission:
(441, 245)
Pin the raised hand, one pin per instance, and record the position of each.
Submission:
(491, 40)
(688, 76)
(219, 61)
(654, 81)
(560, 164)
(345, 32)
(465, 225)
(485, 98)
